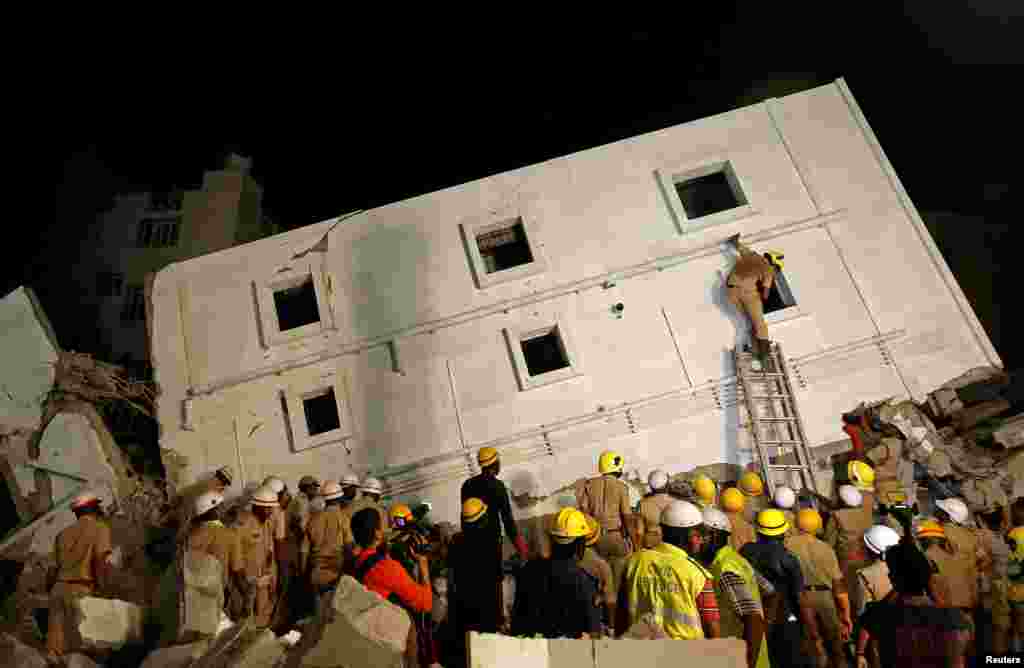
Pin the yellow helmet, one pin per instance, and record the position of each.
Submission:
(751, 484)
(861, 475)
(472, 510)
(610, 462)
(594, 531)
(400, 515)
(487, 456)
(774, 258)
(1017, 536)
(732, 500)
(772, 522)
(569, 525)
(808, 520)
(930, 529)
(704, 488)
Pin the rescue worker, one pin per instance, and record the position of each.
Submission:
(651, 507)
(599, 569)
(732, 501)
(824, 587)
(1015, 587)
(179, 517)
(370, 492)
(555, 597)
(488, 488)
(955, 582)
(325, 537)
(259, 534)
(606, 499)
(82, 558)
(379, 573)
(297, 515)
(770, 557)
(862, 477)
(748, 286)
(668, 586)
(705, 490)
(752, 487)
(873, 583)
(350, 487)
(784, 499)
(737, 587)
(471, 603)
(210, 536)
(845, 534)
(298, 510)
(955, 518)
(994, 620)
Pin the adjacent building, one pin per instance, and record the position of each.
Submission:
(561, 309)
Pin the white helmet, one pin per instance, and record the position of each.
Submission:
(880, 538)
(350, 480)
(851, 496)
(207, 501)
(373, 486)
(266, 497)
(956, 509)
(681, 514)
(275, 484)
(331, 490)
(657, 480)
(716, 519)
(784, 497)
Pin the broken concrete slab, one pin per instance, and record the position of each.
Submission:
(102, 624)
(28, 357)
(489, 650)
(19, 654)
(1011, 434)
(718, 653)
(179, 656)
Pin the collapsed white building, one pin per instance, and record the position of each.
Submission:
(398, 341)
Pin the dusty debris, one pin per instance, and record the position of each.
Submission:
(19, 654)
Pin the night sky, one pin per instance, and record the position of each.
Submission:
(373, 114)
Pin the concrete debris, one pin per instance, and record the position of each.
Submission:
(179, 656)
(102, 624)
(20, 654)
(1011, 434)
(79, 661)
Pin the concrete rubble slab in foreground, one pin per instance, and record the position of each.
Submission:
(106, 623)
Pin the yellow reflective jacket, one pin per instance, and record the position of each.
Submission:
(665, 581)
(729, 561)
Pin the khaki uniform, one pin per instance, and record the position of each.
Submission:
(600, 570)
(220, 542)
(872, 586)
(259, 561)
(327, 534)
(297, 517)
(994, 595)
(820, 568)
(650, 517)
(957, 578)
(749, 275)
(742, 531)
(606, 499)
(845, 534)
(79, 552)
(885, 459)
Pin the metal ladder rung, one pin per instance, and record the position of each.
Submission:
(771, 396)
(786, 467)
(776, 419)
(781, 442)
(759, 375)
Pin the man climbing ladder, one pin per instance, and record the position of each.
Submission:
(748, 286)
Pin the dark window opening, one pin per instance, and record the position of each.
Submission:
(780, 296)
(296, 305)
(321, 413)
(545, 353)
(504, 248)
(709, 194)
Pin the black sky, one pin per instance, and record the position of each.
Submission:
(365, 114)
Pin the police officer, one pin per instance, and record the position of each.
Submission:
(845, 534)
(770, 557)
(82, 554)
(824, 586)
(606, 499)
(651, 507)
(733, 501)
(737, 588)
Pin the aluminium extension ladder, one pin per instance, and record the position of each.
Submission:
(773, 420)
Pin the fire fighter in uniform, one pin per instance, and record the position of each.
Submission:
(180, 515)
(732, 501)
(825, 587)
(82, 554)
(752, 487)
(749, 285)
(955, 583)
(651, 507)
(350, 503)
(326, 535)
(297, 516)
(994, 621)
(601, 572)
(845, 534)
(954, 517)
(492, 492)
(259, 535)
(606, 499)
(370, 490)
(873, 583)
(784, 499)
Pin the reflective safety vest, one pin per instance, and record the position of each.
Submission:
(665, 582)
(729, 561)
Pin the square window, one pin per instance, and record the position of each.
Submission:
(705, 195)
(544, 353)
(321, 413)
(296, 305)
(505, 247)
(780, 296)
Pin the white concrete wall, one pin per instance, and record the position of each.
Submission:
(861, 266)
(27, 358)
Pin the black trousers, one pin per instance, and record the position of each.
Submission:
(785, 645)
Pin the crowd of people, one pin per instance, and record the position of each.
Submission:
(873, 585)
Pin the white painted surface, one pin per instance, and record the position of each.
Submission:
(27, 356)
(71, 446)
(854, 259)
